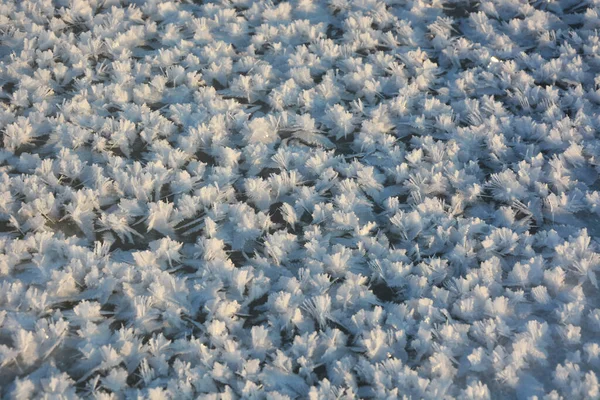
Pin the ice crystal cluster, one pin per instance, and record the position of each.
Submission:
(332, 199)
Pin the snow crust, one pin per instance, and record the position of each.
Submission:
(301, 199)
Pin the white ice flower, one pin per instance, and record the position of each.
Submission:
(318, 308)
(162, 217)
(502, 241)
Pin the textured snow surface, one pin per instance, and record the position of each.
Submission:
(308, 199)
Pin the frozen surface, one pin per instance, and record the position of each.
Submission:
(327, 199)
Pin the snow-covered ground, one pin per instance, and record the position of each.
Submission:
(308, 199)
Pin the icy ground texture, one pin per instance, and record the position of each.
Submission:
(324, 199)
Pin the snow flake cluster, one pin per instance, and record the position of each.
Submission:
(324, 199)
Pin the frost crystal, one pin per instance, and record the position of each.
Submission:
(324, 199)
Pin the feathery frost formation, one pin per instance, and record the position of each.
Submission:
(327, 199)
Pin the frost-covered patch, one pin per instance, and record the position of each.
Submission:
(327, 199)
